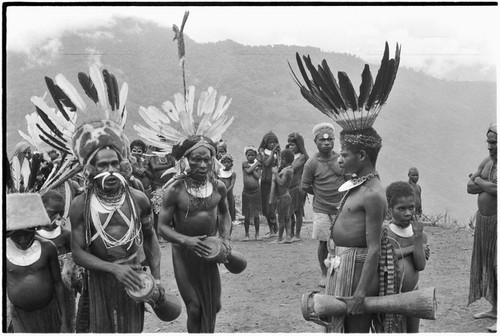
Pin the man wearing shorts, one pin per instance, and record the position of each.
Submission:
(322, 177)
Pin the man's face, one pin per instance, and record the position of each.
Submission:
(403, 211)
(137, 151)
(349, 161)
(23, 239)
(413, 175)
(271, 144)
(106, 160)
(324, 143)
(250, 156)
(293, 147)
(200, 161)
(492, 144)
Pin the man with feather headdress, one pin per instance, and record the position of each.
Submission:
(355, 246)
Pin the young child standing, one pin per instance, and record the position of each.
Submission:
(405, 233)
(283, 179)
(227, 175)
(250, 197)
(34, 285)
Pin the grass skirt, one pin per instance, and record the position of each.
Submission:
(111, 309)
(44, 320)
(251, 203)
(483, 281)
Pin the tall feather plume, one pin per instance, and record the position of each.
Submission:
(59, 97)
(70, 91)
(347, 91)
(98, 80)
(88, 86)
(340, 101)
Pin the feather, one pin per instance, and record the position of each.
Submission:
(347, 90)
(366, 86)
(54, 142)
(43, 113)
(97, 79)
(88, 86)
(393, 70)
(29, 139)
(332, 82)
(318, 86)
(123, 97)
(303, 71)
(110, 89)
(379, 80)
(70, 91)
(59, 97)
(171, 111)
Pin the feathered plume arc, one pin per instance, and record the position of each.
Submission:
(339, 101)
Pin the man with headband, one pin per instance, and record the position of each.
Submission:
(483, 271)
(322, 177)
(355, 240)
(195, 207)
(109, 223)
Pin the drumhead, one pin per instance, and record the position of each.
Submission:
(147, 287)
(215, 245)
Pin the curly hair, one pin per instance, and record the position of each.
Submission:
(367, 139)
(397, 190)
(52, 195)
(139, 143)
(180, 149)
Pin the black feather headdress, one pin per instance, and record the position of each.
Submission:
(339, 101)
(54, 128)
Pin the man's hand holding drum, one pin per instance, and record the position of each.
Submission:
(128, 276)
(197, 245)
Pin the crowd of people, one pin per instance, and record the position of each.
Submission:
(76, 258)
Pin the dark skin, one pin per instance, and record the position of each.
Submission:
(106, 160)
(283, 180)
(479, 184)
(55, 210)
(251, 176)
(296, 219)
(33, 287)
(359, 224)
(192, 226)
(410, 251)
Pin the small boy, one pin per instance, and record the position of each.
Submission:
(34, 286)
(71, 274)
(283, 179)
(250, 197)
(405, 233)
(413, 177)
(228, 176)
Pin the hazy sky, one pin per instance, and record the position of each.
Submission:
(435, 39)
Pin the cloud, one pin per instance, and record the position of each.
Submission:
(44, 55)
(97, 35)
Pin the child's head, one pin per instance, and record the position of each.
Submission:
(269, 141)
(227, 161)
(401, 202)
(287, 156)
(250, 153)
(137, 148)
(54, 205)
(221, 149)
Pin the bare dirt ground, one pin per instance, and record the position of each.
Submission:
(266, 297)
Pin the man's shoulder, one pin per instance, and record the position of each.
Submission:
(47, 245)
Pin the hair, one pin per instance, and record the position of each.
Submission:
(368, 140)
(52, 195)
(298, 139)
(287, 155)
(266, 138)
(139, 143)
(180, 149)
(397, 190)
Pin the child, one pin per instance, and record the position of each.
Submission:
(268, 155)
(251, 197)
(34, 285)
(405, 233)
(296, 144)
(413, 177)
(61, 237)
(221, 149)
(228, 176)
(283, 179)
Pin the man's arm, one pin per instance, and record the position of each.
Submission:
(151, 245)
(487, 186)
(374, 205)
(125, 274)
(225, 217)
(308, 178)
(55, 271)
(170, 200)
(472, 187)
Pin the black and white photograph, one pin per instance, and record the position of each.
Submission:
(253, 167)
